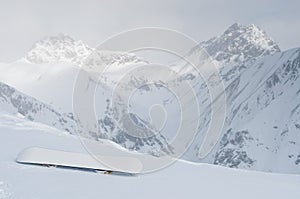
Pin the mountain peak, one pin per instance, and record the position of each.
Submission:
(63, 48)
(237, 27)
(234, 27)
(59, 48)
(59, 37)
(240, 43)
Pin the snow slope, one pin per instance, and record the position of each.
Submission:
(181, 180)
(24, 106)
(261, 129)
(262, 90)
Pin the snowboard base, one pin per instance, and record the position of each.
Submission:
(79, 161)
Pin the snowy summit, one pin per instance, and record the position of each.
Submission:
(240, 43)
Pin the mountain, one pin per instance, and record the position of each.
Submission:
(259, 79)
(240, 43)
(260, 127)
(264, 115)
(261, 130)
(63, 48)
(60, 48)
(47, 76)
(16, 103)
(53, 63)
(23, 106)
(261, 86)
(19, 104)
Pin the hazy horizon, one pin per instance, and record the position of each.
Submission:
(93, 21)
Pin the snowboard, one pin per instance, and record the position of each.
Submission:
(55, 158)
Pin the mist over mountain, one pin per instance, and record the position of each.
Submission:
(262, 127)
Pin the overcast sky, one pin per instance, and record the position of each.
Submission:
(25, 21)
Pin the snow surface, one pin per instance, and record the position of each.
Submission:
(180, 180)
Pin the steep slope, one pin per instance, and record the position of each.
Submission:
(262, 90)
(13, 102)
(16, 103)
(261, 128)
(263, 120)
(237, 48)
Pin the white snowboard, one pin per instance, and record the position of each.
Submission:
(41, 156)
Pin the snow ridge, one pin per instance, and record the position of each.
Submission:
(60, 48)
(240, 43)
(63, 48)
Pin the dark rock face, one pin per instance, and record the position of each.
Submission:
(155, 145)
(298, 160)
(231, 152)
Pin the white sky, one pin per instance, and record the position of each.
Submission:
(25, 21)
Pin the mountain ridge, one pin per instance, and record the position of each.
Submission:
(256, 75)
(239, 43)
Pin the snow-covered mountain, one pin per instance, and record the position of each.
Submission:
(239, 44)
(60, 48)
(259, 80)
(262, 125)
(65, 49)
(262, 90)
(45, 78)
(237, 48)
